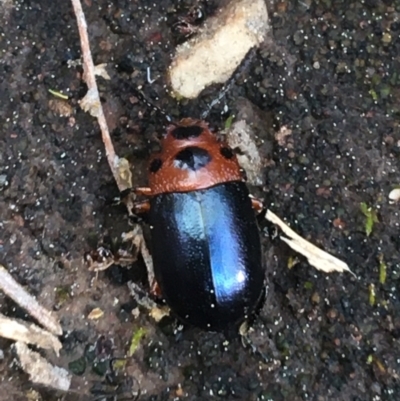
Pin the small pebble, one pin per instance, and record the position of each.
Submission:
(386, 38)
(315, 298)
(394, 195)
(3, 180)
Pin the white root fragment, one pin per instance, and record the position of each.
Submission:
(214, 54)
(40, 371)
(318, 258)
(17, 330)
(28, 302)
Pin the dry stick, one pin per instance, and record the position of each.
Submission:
(93, 95)
(28, 302)
(119, 167)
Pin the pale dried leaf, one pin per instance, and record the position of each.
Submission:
(159, 313)
(40, 371)
(100, 71)
(60, 107)
(282, 135)
(318, 258)
(91, 103)
(95, 314)
(28, 333)
(124, 171)
(28, 302)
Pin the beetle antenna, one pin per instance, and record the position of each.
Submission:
(231, 81)
(147, 102)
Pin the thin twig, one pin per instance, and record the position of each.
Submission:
(92, 102)
(28, 302)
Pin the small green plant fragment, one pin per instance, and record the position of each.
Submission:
(382, 269)
(292, 261)
(90, 353)
(373, 94)
(371, 294)
(62, 295)
(100, 367)
(135, 341)
(119, 364)
(371, 359)
(228, 122)
(58, 94)
(78, 366)
(371, 218)
(308, 285)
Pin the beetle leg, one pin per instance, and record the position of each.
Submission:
(258, 206)
(155, 289)
(141, 207)
(137, 238)
(129, 199)
(145, 191)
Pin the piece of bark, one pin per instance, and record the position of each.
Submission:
(213, 55)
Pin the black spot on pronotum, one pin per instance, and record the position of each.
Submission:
(155, 165)
(226, 152)
(192, 131)
(192, 158)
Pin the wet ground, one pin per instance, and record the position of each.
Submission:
(331, 75)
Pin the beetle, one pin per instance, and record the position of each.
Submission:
(206, 245)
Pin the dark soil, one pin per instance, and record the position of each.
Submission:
(332, 78)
